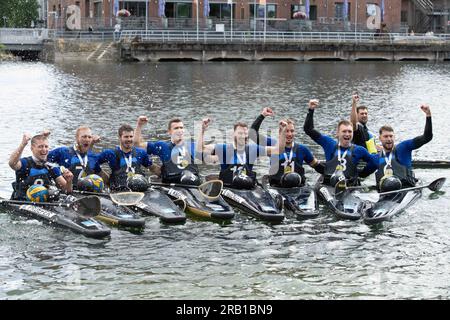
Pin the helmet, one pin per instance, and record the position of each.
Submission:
(97, 182)
(242, 181)
(337, 177)
(37, 193)
(85, 184)
(390, 183)
(137, 183)
(291, 180)
(189, 178)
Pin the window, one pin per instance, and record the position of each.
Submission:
(312, 12)
(97, 9)
(339, 11)
(220, 10)
(404, 16)
(271, 11)
(136, 8)
(179, 10)
(86, 8)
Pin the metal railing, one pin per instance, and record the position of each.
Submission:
(23, 36)
(172, 36)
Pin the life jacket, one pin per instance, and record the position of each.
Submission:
(33, 174)
(286, 167)
(405, 174)
(120, 173)
(348, 167)
(231, 170)
(172, 170)
(77, 168)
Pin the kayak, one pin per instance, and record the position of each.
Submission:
(157, 203)
(390, 205)
(256, 202)
(199, 205)
(345, 205)
(300, 201)
(120, 216)
(62, 217)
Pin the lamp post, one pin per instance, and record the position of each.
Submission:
(146, 16)
(196, 14)
(356, 16)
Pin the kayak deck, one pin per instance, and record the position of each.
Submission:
(120, 216)
(389, 205)
(256, 202)
(345, 205)
(62, 217)
(157, 203)
(199, 205)
(301, 201)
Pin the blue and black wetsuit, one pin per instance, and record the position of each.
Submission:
(336, 155)
(400, 159)
(233, 163)
(80, 164)
(32, 173)
(290, 161)
(123, 165)
(176, 159)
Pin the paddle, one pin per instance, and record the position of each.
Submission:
(87, 206)
(434, 186)
(209, 189)
(120, 198)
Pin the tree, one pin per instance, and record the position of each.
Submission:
(18, 13)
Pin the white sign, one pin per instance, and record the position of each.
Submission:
(220, 27)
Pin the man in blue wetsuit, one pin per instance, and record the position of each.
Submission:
(79, 159)
(238, 158)
(341, 155)
(125, 160)
(395, 160)
(286, 168)
(177, 155)
(36, 169)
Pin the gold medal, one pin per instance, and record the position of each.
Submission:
(339, 168)
(130, 174)
(388, 172)
(244, 172)
(287, 169)
(184, 163)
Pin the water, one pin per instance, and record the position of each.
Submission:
(247, 259)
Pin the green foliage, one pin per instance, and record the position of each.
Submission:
(18, 13)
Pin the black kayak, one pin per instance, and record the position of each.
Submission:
(199, 205)
(62, 217)
(120, 216)
(256, 202)
(345, 205)
(300, 201)
(390, 205)
(157, 203)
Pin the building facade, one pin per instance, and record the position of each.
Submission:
(321, 15)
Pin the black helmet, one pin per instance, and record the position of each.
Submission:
(85, 184)
(337, 177)
(189, 178)
(390, 183)
(137, 183)
(291, 180)
(242, 181)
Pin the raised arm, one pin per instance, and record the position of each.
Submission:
(254, 129)
(428, 131)
(137, 140)
(309, 121)
(14, 159)
(354, 114)
(281, 142)
(205, 150)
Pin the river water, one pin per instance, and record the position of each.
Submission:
(323, 258)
